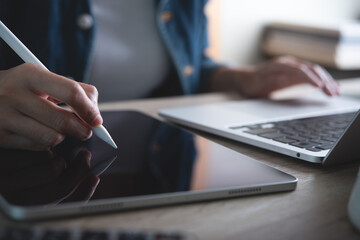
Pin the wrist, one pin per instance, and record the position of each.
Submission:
(231, 79)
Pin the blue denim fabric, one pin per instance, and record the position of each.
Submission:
(186, 38)
(49, 28)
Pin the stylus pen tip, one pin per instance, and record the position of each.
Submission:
(103, 134)
(113, 144)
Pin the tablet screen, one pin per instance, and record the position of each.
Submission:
(153, 158)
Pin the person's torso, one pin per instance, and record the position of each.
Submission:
(52, 31)
(129, 58)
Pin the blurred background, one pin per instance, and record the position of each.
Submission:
(236, 26)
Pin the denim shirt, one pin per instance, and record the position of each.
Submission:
(53, 30)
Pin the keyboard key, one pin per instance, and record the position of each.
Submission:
(3, 233)
(132, 236)
(340, 125)
(56, 235)
(321, 142)
(303, 144)
(251, 126)
(314, 149)
(297, 138)
(329, 139)
(47, 234)
(290, 133)
(258, 131)
(16, 234)
(284, 140)
(336, 131)
(325, 147)
(272, 135)
(168, 237)
(309, 136)
(92, 235)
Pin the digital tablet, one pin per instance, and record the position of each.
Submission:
(155, 164)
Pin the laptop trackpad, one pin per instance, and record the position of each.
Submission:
(289, 108)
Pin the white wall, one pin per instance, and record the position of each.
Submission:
(241, 22)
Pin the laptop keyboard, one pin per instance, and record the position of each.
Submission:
(314, 133)
(47, 234)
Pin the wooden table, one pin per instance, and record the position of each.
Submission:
(317, 209)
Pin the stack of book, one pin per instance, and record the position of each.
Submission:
(331, 45)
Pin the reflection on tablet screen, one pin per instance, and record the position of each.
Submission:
(152, 158)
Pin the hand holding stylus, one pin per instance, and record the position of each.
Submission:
(30, 117)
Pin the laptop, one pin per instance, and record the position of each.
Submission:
(155, 164)
(315, 128)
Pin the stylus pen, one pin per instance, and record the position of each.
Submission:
(29, 57)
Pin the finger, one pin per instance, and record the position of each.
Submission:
(54, 100)
(301, 70)
(15, 141)
(329, 84)
(306, 73)
(53, 116)
(91, 92)
(34, 131)
(65, 90)
(315, 75)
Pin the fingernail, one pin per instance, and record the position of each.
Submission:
(335, 90)
(87, 134)
(84, 132)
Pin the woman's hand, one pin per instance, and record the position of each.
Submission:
(30, 117)
(274, 75)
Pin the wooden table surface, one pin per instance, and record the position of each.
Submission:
(317, 209)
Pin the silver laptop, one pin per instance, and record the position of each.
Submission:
(315, 128)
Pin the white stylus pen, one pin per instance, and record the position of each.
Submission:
(29, 57)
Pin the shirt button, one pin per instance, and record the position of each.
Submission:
(85, 21)
(166, 16)
(188, 70)
(156, 148)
